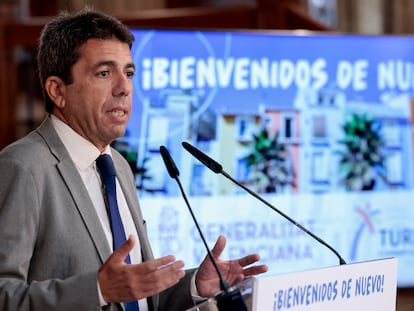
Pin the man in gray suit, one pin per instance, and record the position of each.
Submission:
(55, 237)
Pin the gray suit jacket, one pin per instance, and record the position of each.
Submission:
(51, 241)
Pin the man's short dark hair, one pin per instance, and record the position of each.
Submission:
(62, 37)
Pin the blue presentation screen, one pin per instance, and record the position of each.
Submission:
(320, 125)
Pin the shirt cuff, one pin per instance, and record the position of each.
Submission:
(102, 301)
(193, 289)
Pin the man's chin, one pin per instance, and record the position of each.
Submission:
(119, 132)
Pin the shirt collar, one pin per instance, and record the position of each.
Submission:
(82, 151)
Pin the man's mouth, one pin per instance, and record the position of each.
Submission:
(118, 113)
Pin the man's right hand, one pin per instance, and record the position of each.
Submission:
(121, 282)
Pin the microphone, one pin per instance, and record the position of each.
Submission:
(218, 169)
(229, 299)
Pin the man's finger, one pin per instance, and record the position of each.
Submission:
(219, 246)
(248, 260)
(160, 263)
(120, 254)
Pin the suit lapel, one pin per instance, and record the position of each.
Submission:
(78, 191)
(130, 194)
(85, 207)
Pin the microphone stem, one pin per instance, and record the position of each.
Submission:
(341, 260)
(223, 285)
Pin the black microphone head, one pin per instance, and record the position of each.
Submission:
(169, 163)
(203, 158)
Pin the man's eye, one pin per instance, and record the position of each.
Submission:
(103, 73)
(130, 74)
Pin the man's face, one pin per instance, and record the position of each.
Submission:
(97, 105)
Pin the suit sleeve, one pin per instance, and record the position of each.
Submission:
(19, 236)
(178, 297)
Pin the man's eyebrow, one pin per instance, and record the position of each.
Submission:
(112, 63)
(130, 66)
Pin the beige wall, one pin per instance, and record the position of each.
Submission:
(402, 13)
(376, 16)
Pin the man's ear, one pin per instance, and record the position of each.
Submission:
(56, 89)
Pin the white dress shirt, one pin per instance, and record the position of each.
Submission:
(84, 154)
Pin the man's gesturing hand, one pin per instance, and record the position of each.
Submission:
(121, 282)
(233, 271)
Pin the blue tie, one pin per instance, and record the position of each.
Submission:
(107, 171)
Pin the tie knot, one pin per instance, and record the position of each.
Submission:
(105, 166)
